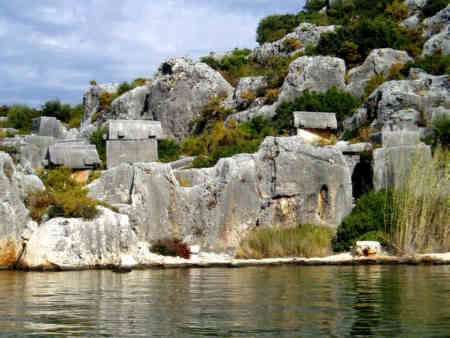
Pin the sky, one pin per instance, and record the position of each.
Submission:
(51, 49)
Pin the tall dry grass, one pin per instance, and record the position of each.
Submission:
(302, 241)
(420, 215)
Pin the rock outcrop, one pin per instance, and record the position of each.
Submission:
(313, 73)
(407, 104)
(246, 86)
(305, 34)
(91, 103)
(286, 183)
(392, 162)
(14, 216)
(131, 105)
(74, 243)
(379, 62)
(437, 31)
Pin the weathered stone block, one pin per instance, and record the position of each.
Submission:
(130, 151)
(47, 126)
(74, 155)
(315, 120)
(134, 130)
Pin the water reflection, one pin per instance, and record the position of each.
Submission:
(262, 301)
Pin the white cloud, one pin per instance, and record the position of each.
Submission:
(62, 44)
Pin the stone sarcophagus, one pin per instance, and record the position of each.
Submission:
(47, 126)
(312, 126)
(73, 154)
(132, 141)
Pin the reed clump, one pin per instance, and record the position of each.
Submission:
(302, 241)
(420, 218)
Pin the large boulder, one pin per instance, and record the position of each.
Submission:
(74, 243)
(437, 31)
(407, 104)
(131, 105)
(179, 91)
(379, 62)
(14, 216)
(246, 86)
(306, 34)
(313, 73)
(286, 183)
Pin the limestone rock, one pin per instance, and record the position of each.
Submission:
(313, 73)
(306, 34)
(179, 91)
(367, 248)
(131, 105)
(264, 111)
(411, 22)
(286, 183)
(74, 243)
(91, 103)
(248, 85)
(406, 104)
(315, 120)
(438, 43)
(114, 185)
(393, 160)
(14, 217)
(416, 4)
(48, 126)
(437, 23)
(379, 62)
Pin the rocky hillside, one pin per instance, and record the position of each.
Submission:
(382, 71)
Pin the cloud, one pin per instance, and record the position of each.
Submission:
(52, 48)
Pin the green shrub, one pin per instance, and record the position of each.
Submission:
(441, 130)
(56, 109)
(436, 64)
(303, 241)
(76, 115)
(171, 247)
(20, 117)
(270, 25)
(219, 141)
(62, 197)
(367, 34)
(371, 214)
(168, 151)
(333, 100)
(4, 110)
(211, 112)
(97, 138)
(105, 100)
(434, 6)
(123, 88)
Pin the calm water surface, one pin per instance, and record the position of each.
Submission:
(288, 301)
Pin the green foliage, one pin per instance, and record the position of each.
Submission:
(76, 115)
(441, 130)
(168, 151)
(371, 214)
(220, 141)
(303, 241)
(397, 10)
(354, 42)
(4, 110)
(211, 112)
(105, 100)
(334, 100)
(99, 141)
(274, 27)
(436, 64)
(62, 197)
(20, 117)
(123, 88)
(56, 109)
(314, 5)
(171, 247)
(434, 6)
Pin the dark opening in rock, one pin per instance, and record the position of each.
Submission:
(362, 178)
(166, 69)
(324, 202)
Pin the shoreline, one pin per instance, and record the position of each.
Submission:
(220, 261)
